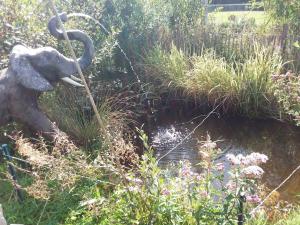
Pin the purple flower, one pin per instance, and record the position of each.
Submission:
(231, 185)
(253, 172)
(253, 199)
(165, 192)
(220, 166)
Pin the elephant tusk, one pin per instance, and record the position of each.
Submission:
(75, 78)
(70, 81)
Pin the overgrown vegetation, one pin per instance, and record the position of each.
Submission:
(168, 46)
(245, 89)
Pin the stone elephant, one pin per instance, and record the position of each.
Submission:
(33, 71)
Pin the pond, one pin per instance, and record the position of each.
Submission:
(279, 141)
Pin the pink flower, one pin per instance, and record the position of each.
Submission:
(204, 194)
(231, 185)
(253, 172)
(165, 192)
(186, 172)
(256, 158)
(253, 199)
(199, 177)
(233, 159)
(220, 166)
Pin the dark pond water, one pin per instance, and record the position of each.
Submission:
(279, 141)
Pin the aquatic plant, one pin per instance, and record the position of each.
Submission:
(245, 89)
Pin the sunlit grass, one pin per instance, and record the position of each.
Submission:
(244, 88)
(260, 17)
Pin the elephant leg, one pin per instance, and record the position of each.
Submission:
(38, 121)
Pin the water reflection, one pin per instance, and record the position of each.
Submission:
(280, 142)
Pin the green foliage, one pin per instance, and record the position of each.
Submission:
(50, 211)
(151, 195)
(284, 12)
(245, 88)
(287, 94)
(292, 219)
(76, 117)
(254, 83)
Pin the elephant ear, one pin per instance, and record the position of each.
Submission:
(26, 73)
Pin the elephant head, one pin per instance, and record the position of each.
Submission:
(33, 71)
(39, 69)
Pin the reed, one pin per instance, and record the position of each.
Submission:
(243, 88)
(71, 113)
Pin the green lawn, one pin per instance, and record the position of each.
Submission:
(221, 17)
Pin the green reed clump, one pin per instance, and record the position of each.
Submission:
(169, 68)
(255, 93)
(245, 88)
(211, 77)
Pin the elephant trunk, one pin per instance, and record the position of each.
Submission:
(86, 59)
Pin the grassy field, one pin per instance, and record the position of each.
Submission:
(222, 17)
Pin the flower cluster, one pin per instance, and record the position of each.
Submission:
(246, 172)
(253, 172)
(252, 159)
(186, 171)
(253, 198)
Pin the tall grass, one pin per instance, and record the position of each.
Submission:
(75, 116)
(254, 83)
(241, 88)
(211, 77)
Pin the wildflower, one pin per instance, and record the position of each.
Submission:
(241, 158)
(133, 189)
(199, 177)
(136, 181)
(204, 194)
(186, 169)
(220, 166)
(165, 192)
(253, 199)
(253, 172)
(256, 158)
(233, 159)
(231, 186)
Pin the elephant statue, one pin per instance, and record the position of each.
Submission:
(33, 71)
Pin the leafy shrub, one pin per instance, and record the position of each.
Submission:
(287, 94)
